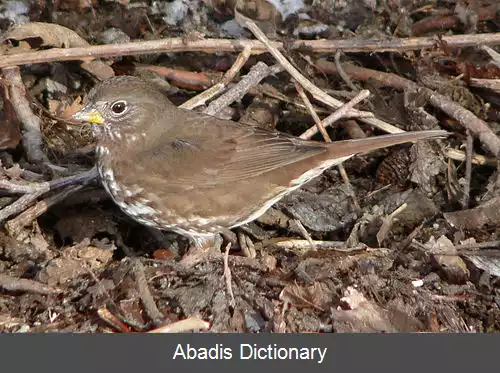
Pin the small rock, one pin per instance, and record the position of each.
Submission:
(16, 12)
(328, 211)
(113, 36)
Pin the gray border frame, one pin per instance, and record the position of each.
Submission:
(152, 353)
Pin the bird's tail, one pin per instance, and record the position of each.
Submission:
(346, 148)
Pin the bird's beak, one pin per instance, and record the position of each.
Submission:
(90, 115)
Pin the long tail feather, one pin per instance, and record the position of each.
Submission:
(345, 148)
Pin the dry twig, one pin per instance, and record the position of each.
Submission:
(25, 188)
(479, 159)
(468, 171)
(320, 126)
(219, 87)
(258, 72)
(35, 190)
(343, 74)
(228, 277)
(19, 205)
(15, 225)
(22, 284)
(465, 117)
(316, 92)
(32, 134)
(305, 245)
(230, 45)
(183, 326)
(145, 294)
(337, 114)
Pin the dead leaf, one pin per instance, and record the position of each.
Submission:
(40, 34)
(67, 113)
(98, 68)
(10, 133)
(315, 296)
(363, 316)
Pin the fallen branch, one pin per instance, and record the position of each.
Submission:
(337, 114)
(23, 284)
(230, 45)
(34, 190)
(219, 87)
(256, 74)
(32, 138)
(465, 117)
(15, 225)
(16, 187)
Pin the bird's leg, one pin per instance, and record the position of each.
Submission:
(202, 247)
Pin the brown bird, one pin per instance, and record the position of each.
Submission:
(195, 174)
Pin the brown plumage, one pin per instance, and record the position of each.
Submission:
(195, 174)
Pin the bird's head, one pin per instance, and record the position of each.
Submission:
(122, 105)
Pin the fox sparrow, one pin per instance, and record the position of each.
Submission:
(195, 174)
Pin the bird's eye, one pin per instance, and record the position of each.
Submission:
(119, 107)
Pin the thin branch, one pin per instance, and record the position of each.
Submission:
(32, 134)
(19, 205)
(145, 294)
(23, 284)
(337, 114)
(465, 117)
(479, 159)
(468, 171)
(305, 233)
(345, 77)
(228, 277)
(258, 72)
(34, 190)
(219, 87)
(320, 126)
(15, 225)
(183, 326)
(45, 186)
(315, 91)
(230, 45)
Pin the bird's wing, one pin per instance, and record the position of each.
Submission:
(204, 151)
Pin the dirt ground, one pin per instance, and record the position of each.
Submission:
(404, 239)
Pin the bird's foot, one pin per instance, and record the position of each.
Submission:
(201, 250)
